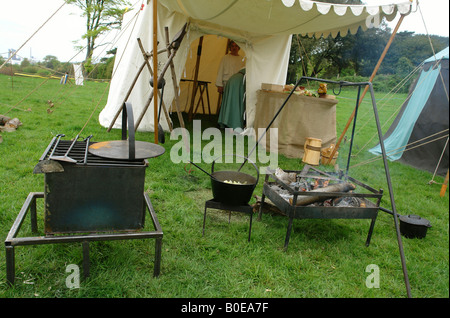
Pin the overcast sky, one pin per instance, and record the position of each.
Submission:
(19, 19)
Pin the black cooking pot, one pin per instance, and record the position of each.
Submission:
(413, 226)
(237, 193)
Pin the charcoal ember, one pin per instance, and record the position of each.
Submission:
(320, 183)
(301, 185)
(346, 202)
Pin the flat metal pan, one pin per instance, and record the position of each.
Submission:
(120, 149)
(126, 149)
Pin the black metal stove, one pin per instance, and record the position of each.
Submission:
(93, 194)
(88, 198)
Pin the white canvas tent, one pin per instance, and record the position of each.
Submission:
(263, 30)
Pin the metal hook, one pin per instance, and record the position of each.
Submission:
(340, 88)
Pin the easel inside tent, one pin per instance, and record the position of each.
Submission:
(171, 49)
(219, 99)
(201, 88)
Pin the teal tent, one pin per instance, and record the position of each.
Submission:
(419, 134)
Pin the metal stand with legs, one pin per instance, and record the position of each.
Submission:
(235, 208)
(12, 240)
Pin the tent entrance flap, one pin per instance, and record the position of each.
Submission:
(396, 142)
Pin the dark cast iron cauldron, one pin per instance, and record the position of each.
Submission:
(233, 193)
(413, 226)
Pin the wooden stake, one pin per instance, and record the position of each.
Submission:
(444, 186)
(175, 90)
(174, 79)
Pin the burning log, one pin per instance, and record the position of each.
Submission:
(286, 177)
(339, 187)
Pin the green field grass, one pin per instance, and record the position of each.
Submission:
(325, 258)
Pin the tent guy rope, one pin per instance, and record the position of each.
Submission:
(397, 109)
(12, 55)
(405, 148)
(386, 48)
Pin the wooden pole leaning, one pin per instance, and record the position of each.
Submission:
(126, 96)
(155, 82)
(146, 56)
(172, 50)
(133, 83)
(367, 87)
(195, 87)
(174, 79)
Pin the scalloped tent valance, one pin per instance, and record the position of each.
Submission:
(256, 18)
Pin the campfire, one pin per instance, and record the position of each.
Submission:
(319, 195)
(315, 184)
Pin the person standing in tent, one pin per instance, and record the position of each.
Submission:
(232, 100)
(233, 103)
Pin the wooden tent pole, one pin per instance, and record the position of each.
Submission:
(155, 67)
(386, 48)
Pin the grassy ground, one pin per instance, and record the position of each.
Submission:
(325, 258)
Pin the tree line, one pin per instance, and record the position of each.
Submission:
(51, 66)
(353, 57)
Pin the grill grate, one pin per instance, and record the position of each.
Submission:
(81, 154)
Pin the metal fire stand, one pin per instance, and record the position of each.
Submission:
(12, 240)
(383, 152)
(369, 211)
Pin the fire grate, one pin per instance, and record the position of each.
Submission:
(367, 210)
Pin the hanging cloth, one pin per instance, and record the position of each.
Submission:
(233, 102)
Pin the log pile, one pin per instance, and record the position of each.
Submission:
(8, 124)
